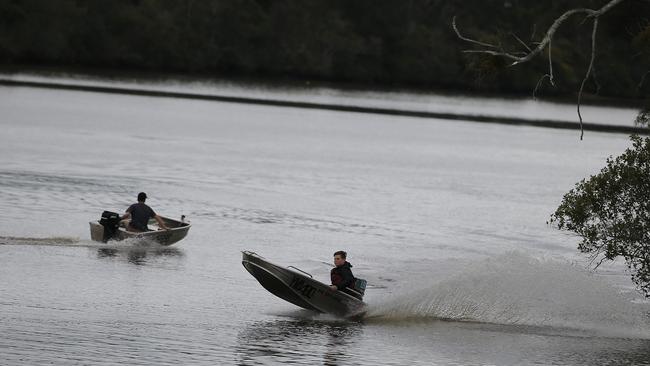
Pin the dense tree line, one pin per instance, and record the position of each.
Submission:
(386, 42)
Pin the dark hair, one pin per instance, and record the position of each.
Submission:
(142, 196)
(341, 253)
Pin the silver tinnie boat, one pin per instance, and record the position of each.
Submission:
(109, 228)
(299, 288)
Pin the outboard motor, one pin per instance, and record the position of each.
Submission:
(357, 288)
(359, 285)
(110, 221)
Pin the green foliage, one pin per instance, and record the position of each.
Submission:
(370, 41)
(611, 212)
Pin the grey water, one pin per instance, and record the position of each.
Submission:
(447, 220)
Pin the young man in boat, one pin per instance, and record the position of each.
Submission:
(140, 213)
(341, 274)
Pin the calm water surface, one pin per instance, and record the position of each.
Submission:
(446, 220)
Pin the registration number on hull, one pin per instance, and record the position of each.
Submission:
(303, 287)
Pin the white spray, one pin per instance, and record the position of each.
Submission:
(514, 288)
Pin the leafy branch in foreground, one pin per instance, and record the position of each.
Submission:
(611, 212)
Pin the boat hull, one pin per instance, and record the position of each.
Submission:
(177, 232)
(300, 289)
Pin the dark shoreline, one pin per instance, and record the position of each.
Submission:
(572, 125)
(105, 74)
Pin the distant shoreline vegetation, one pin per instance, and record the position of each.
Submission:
(369, 43)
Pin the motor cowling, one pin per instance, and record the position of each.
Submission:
(110, 221)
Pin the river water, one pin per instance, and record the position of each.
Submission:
(445, 219)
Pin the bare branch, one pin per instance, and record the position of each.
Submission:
(591, 65)
(546, 42)
(494, 53)
(522, 42)
(550, 62)
(547, 38)
(590, 13)
(550, 71)
(539, 83)
(453, 24)
(607, 7)
(595, 79)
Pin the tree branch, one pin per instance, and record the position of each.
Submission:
(498, 51)
(591, 65)
(521, 42)
(453, 25)
(540, 46)
(550, 72)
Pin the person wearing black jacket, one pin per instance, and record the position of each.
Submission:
(341, 275)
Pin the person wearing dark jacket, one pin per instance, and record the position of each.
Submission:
(341, 274)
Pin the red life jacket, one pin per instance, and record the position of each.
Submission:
(336, 277)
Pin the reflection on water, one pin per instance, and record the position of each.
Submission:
(138, 255)
(135, 244)
(300, 341)
(135, 252)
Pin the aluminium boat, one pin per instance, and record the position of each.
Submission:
(109, 227)
(300, 288)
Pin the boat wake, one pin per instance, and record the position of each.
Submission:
(64, 241)
(515, 289)
(51, 241)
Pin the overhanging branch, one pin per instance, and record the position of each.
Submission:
(517, 58)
